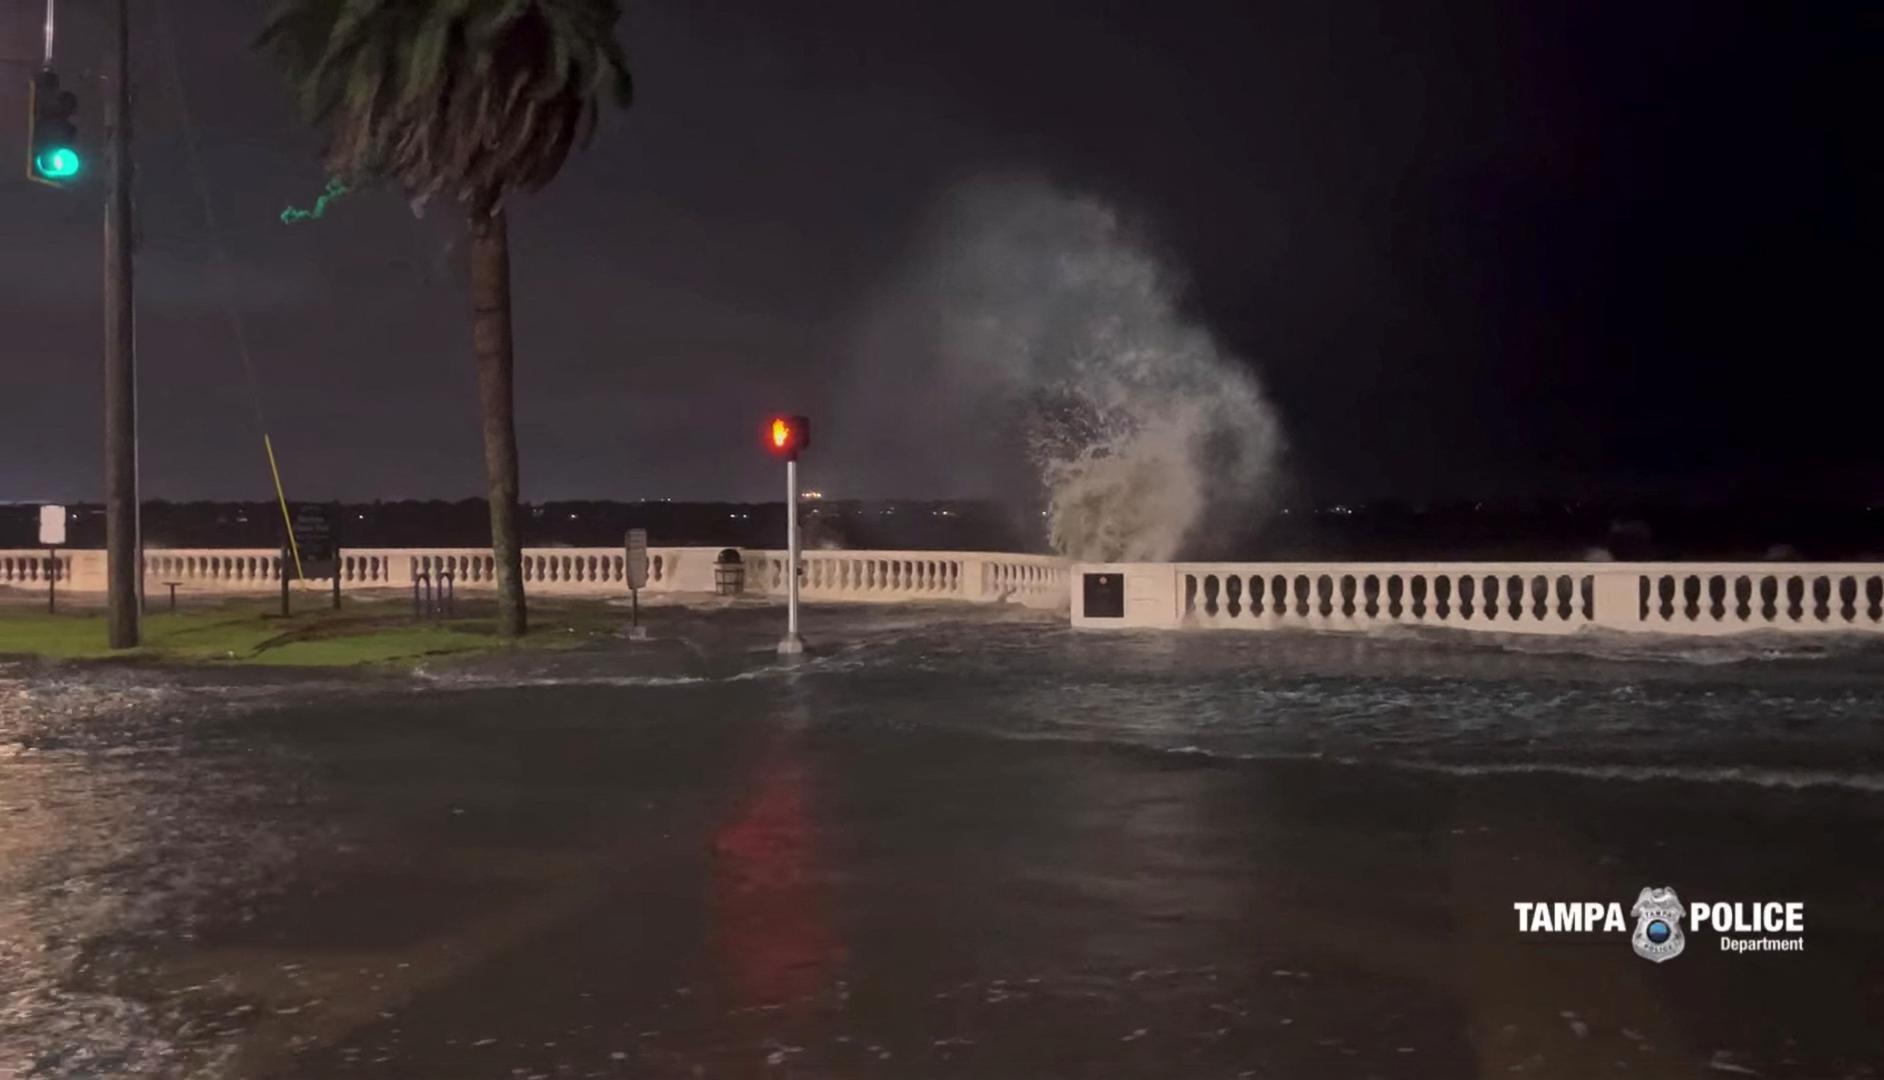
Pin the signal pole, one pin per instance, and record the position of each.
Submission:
(122, 542)
(791, 644)
(787, 437)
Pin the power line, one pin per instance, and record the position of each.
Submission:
(220, 256)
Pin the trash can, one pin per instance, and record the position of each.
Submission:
(729, 573)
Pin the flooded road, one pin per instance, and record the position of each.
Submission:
(954, 843)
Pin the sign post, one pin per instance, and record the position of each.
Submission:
(637, 574)
(787, 437)
(312, 551)
(52, 534)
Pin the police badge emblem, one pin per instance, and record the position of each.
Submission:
(1658, 914)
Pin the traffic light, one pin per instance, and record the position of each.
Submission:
(52, 153)
(786, 436)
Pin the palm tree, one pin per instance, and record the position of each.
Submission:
(470, 99)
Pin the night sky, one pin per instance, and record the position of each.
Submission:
(1576, 249)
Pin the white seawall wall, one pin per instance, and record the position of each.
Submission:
(1496, 597)
(868, 576)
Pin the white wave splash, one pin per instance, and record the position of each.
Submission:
(1065, 332)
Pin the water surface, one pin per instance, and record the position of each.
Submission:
(955, 842)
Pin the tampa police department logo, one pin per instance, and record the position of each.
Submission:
(1658, 914)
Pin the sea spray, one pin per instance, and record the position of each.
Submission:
(1042, 310)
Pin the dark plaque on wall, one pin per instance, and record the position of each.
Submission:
(1104, 596)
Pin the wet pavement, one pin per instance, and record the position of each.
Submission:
(956, 842)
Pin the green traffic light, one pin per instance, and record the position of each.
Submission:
(59, 163)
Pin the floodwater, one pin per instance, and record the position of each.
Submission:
(953, 842)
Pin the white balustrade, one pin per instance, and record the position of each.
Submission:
(1550, 598)
(1035, 580)
(31, 567)
(1508, 597)
(213, 569)
(1788, 596)
(871, 576)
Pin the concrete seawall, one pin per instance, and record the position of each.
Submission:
(1495, 597)
(868, 576)
(1505, 597)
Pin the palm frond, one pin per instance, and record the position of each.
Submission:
(471, 98)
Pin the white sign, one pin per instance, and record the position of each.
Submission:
(637, 558)
(52, 525)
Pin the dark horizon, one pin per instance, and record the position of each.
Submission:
(1589, 251)
(1512, 529)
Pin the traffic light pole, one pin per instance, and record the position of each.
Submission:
(121, 524)
(791, 644)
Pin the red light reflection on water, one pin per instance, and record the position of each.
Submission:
(771, 918)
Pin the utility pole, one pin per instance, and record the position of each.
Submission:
(122, 543)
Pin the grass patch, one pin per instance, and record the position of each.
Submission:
(254, 633)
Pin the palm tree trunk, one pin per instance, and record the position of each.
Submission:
(490, 340)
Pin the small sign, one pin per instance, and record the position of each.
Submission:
(314, 540)
(637, 558)
(1103, 596)
(52, 525)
